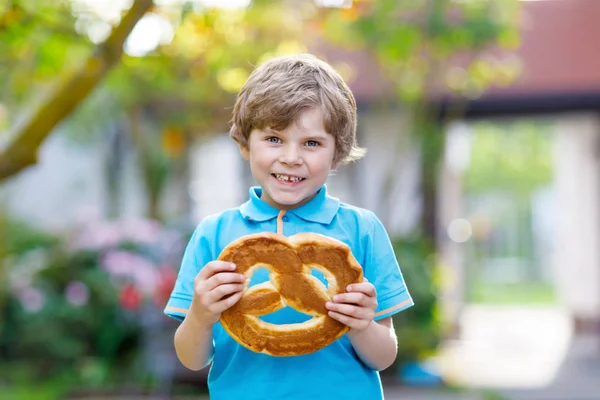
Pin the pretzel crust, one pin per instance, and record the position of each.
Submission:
(289, 261)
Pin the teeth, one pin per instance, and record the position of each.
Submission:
(287, 178)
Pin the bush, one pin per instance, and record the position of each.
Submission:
(76, 304)
(417, 328)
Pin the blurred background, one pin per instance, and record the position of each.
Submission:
(482, 122)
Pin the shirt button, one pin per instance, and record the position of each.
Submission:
(285, 218)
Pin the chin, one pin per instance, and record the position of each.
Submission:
(286, 201)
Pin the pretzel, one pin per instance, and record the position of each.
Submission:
(290, 261)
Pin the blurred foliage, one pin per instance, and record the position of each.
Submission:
(513, 293)
(507, 189)
(430, 50)
(42, 41)
(16, 239)
(418, 328)
(167, 95)
(189, 83)
(73, 306)
(20, 237)
(56, 387)
(164, 96)
(62, 335)
(516, 157)
(426, 46)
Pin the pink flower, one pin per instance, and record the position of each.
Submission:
(119, 262)
(124, 264)
(140, 231)
(32, 299)
(96, 236)
(77, 293)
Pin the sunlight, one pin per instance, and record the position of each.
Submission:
(334, 3)
(106, 10)
(97, 17)
(223, 4)
(150, 32)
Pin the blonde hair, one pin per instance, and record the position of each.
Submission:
(280, 89)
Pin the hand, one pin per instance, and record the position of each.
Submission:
(216, 288)
(355, 308)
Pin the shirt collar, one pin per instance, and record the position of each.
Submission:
(321, 209)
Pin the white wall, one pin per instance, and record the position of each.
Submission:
(386, 135)
(217, 176)
(64, 186)
(578, 250)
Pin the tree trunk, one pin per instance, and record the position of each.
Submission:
(432, 141)
(22, 149)
(149, 166)
(3, 270)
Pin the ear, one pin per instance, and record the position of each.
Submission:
(335, 163)
(244, 151)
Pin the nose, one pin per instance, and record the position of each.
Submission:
(290, 155)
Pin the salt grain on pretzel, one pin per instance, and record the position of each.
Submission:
(290, 261)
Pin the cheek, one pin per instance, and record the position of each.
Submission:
(322, 165)
(329, 160)
(262, 158)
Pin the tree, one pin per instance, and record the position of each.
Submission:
(162, 99)
(23, 142)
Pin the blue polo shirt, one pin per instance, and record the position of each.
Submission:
(334, 372)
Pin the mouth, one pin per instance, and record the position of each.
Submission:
(288, 178)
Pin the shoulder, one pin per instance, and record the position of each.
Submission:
(214, 223)
(365, 218)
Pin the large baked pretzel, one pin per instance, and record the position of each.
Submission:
(290, 261)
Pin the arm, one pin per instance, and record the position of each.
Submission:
(376, 345)
(216, 288)
(193, 343)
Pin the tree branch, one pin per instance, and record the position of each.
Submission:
(25, 139)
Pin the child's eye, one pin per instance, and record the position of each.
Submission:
(273, 139)
(313, 143)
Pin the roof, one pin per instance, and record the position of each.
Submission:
(559, 51)
(560, 48)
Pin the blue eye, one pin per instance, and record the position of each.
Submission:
(273, 139)
(313, 143)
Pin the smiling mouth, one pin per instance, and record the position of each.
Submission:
(288, 178)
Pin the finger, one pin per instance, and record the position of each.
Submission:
(226, 303)
(353, 298)
(221, 291)
(352, 323)
(223, 278)
(365, 287)
(215, 267)
(351, 310)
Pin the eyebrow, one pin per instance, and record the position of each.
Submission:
(316, 137)
(271, 131)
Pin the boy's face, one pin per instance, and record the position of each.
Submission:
(291, 165)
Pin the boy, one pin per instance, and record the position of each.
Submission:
(294, 121)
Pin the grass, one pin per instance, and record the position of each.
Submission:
(38, 391)
(519, 293)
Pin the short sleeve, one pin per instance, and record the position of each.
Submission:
(382, 270)
(197, 254)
